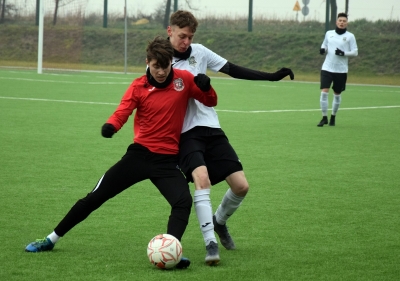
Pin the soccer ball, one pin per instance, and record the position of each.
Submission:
(164, 251)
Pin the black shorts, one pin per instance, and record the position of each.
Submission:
(338, 80)
(204, 146)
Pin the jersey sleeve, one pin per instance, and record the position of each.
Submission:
(325, 42)
(125, 108)
(214, 61)
(353, 47)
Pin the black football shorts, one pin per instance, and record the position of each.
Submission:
(210, 147)
(338, 80)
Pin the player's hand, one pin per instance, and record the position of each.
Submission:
(108, 130)
(339, 52)
(282, 73)
(203, 82)
(322, 51)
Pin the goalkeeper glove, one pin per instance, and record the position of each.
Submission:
(282, 73)
(108, 130)
(203, 82)
(339, 52)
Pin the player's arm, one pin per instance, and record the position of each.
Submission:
(240, 72)
(120, 116)
(203, 91)
(353, 52)
(353, 48)
(324, 46)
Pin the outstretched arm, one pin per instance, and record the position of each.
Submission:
(240, 72)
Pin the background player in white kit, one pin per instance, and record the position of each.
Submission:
(339, 44)
(206, 157)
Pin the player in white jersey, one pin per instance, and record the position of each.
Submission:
(206, 156)
(338, 45)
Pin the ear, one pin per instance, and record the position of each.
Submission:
(169, 31)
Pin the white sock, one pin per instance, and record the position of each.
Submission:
(229, 204)
(202, 205)
(323, 101)
(53, 237)
(336, 103)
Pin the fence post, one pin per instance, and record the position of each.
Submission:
(250, 21)
(105, 14)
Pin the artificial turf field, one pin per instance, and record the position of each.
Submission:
(324, 203)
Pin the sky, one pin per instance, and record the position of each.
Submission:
(278, 9)
(371, 10)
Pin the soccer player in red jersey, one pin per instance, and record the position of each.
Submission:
(160, 98)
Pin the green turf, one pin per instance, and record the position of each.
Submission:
(324, 203)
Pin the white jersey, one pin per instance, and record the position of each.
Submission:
(345, 42)
(200, 60)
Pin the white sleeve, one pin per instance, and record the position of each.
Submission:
(353, 48)
(325, 42)
(214, 61)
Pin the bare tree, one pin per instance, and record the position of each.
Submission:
(168, 10)
(59, 4)
(7, 10)
(346, 9)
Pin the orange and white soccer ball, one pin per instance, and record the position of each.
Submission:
(164, 251)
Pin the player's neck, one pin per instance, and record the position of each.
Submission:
(340, 31)
(154, 83)
(185, 55)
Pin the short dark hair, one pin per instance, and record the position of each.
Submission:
(344, 15)
(161, 50)
(183, 19)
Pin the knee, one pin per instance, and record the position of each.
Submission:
(241, 190)
(200, 178)
(184, 203)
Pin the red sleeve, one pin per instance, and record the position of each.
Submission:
(124, 110)
(208, 98)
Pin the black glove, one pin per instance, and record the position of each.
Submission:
(108, 130)
(203, 82)
(282, 73)
(339, 52)
(321, 51)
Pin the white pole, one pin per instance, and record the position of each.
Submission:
(126, 27)
(40, 37)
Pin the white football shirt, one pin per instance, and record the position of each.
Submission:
(345, 42)
(201, 59)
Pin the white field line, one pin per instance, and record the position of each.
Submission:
(219, 110)
(66, 82)
(130, 79)
(269, 85)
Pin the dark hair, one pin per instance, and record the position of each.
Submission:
(161, 50)
(340, 15)
(183, 19)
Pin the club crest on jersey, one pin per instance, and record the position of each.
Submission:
(178, 84)
(344, 38)
(192, 61)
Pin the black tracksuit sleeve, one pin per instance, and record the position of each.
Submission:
(240, 72)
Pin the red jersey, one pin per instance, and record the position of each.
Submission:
(160, 111)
